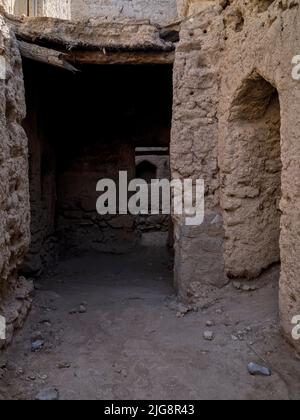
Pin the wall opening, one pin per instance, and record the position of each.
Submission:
(146, 170)
(251, 182)
(82, 128)
(153, 163)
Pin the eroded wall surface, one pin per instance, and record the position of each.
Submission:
(236, 125)
(199, 266)
(50, 8)
(14, 189)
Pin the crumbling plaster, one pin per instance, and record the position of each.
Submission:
(14, 186)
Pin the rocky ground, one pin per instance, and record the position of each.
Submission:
(108, 327)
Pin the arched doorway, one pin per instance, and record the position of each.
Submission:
(251, 179)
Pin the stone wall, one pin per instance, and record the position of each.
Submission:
(158, 11)
(14, 194)
(251, 177)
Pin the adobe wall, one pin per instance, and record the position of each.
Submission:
(199, 266)
(236, 125)
(14, 189)
(50, 8)
(261, 42)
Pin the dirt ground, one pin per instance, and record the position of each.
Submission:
(132, 342)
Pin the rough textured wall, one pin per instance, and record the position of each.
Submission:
(235, 111)
(158, 11)
(262, 40)
(252, 179)
(194, 153)
(14, 192)
(42, 177)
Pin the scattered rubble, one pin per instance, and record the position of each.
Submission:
(208, 335)
(244, 287)
(257, 370)
(64, 365)
(49, 394)
(82, 309)
(37, 345)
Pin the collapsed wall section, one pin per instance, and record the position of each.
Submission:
(14, 192)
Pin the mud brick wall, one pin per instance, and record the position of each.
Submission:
(235, 124)
(14, 186)
(199, 264)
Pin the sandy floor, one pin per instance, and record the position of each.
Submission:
(131, 345)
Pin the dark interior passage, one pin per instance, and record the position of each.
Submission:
(84, 127)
